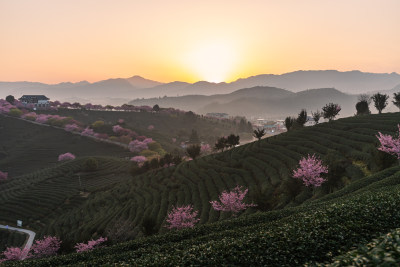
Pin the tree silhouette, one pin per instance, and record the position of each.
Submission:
(396, 101)
(193, 151)
(232, 140)
(156, 108)
(330, 111)
(316, 116)
(10, 99)
(380, 101)
(289, 123)
(362, 108)
(259, 133)
(194, 138)
(302, 118)
(221, 144)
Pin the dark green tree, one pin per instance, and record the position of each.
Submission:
(259, 133)
(302, 118)
(156, 108)
(330, 111)
(10, 99)
(362, 108)
(380, 101)
(149, 226)
(193, 151)
(289, 123)
(221, 144)
(396, 101)
(232, 140)
(316, 116)
(91, 164)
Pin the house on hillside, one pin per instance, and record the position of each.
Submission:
(218, 115)
(39, 101)
(310, 121)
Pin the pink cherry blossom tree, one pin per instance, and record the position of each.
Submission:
(71, 127)
(66, 156)
(87, 132)
(3, 176)
(151, 127)
(390, 144)
(138, 159)
(92, 244)
(45, 247)
(137, 146)
(232, 201)
(182, 217)
(15, 254)
(310, 171)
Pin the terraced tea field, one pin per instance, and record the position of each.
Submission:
(264, 167)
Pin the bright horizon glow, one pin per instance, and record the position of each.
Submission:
(59, 41)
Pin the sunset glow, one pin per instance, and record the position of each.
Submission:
(56, 41)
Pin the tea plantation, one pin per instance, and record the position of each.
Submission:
(301, 226)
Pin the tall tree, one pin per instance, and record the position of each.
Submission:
(193, 151)
(362, 108)
(259, 133)
(156, 108)
(220, 144)
(396, 101)
(316, 116)
(289, 123)
(380, 101)
(330, 111)
(302, 118)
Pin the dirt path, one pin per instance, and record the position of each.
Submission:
(28, 243)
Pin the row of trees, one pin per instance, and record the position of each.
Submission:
(380, 102)
(329, 111)
(227, 142)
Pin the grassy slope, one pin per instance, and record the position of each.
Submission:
(26, 147)
(264, 165)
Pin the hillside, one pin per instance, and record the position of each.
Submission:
(268, 102)
(312, 233)
(348, 146)
(26, 147)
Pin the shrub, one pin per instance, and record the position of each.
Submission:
(91, 164)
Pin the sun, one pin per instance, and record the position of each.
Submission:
(212, 61)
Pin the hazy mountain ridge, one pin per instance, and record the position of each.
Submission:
(121, 90)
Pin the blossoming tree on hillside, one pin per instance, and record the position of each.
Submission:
(182, 217)
(66, 156)
(232, 201)
(310, 171)
(390, 144)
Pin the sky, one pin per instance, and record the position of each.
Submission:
(56, 41)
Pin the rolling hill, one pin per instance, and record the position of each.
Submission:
(359, 177)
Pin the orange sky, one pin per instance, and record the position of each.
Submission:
(72, 40)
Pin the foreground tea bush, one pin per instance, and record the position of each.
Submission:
(291, 237)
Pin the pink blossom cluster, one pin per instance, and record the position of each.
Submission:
(173, 140)
(121, 121)
(390, 144)
(101, 135)
(72, 127)
(81, 247)
(3, 176)
(310, 171)
(138, 159)
(232, 201)
(137, 146)
(182, 217)
(87, 132)
(46, 118)
(66, 156)
(5, 106)
(206, 148)
(151, 127)
(48, 246)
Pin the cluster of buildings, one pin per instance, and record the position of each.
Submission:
(38, 101)
(276, 126)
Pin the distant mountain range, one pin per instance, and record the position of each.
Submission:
(225, 96)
